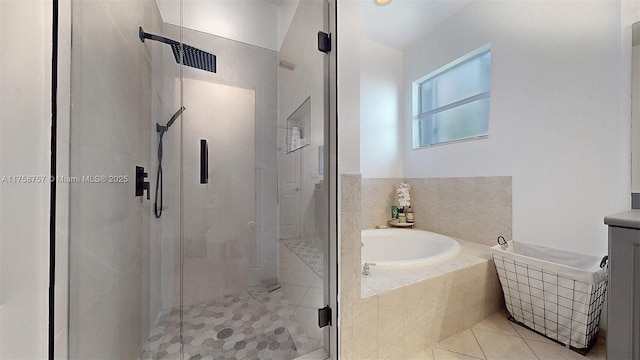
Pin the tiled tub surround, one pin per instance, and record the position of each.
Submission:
(378, 195)
(471, 257)
(415, 307)
(476, 209)
(407, 309)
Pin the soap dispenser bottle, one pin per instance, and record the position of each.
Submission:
(410, 215)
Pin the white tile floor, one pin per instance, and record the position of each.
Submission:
(498, 338)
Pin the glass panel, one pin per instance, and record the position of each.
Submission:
(465, 121)
(198, 262)
(303, 190)
(123, 261)
(299, 127)
(460, 82)
(245, 292)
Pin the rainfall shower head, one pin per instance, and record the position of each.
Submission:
(185, 54)
(162, 129)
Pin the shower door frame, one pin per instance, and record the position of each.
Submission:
(331, 169)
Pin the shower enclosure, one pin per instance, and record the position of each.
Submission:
(200, 182)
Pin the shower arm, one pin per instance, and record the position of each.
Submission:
(143, 35)
(184, 54)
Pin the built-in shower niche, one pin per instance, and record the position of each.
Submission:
(299, 127)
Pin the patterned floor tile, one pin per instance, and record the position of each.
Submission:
(310, 251)
(253, 324)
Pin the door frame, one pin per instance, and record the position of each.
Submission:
(331, 169)
(299, 161)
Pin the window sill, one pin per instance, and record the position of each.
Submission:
(451, 142)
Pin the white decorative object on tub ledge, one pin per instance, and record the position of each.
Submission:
(404, 195)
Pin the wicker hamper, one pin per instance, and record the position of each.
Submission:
(556, 293)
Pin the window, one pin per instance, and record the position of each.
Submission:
(452, 103)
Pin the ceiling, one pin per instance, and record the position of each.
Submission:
(265, 23)
(262, 23)
(403, 22)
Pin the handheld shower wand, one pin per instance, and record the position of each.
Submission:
(161, 130)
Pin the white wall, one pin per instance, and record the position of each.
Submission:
(555, 122)
(630, 79)
(380, 110)
(286, 12)
(25, 114)
(348, 54)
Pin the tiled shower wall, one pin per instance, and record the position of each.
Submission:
(230, 227)
(476, 209)
(112, 82)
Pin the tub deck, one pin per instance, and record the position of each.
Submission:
(387, 278)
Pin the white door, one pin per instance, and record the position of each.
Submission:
(290, 199)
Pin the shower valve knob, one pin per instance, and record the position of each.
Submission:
(141, 185)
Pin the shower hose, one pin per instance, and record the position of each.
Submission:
(158, 210)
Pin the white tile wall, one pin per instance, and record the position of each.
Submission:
(244, 68)
(303, 288)
(111, 132)
(218, 241)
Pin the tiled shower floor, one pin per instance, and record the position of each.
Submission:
(255, 324)
(309, 251)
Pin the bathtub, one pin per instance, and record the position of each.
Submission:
(393, 247)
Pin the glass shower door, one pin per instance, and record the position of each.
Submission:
(249, 290)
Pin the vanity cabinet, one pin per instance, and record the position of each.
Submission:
(623, 310)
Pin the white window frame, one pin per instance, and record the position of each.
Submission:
(417, 99)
